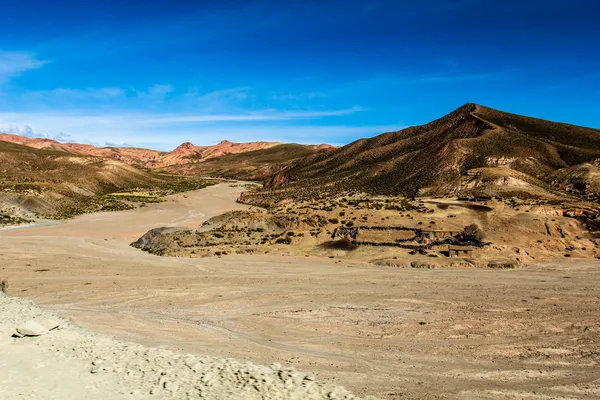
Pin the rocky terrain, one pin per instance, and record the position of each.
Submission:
(71, 362)
(374, 323)
(511, 231)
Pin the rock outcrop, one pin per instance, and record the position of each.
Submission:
(279, 179)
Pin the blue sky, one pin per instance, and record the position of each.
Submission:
(157, 73)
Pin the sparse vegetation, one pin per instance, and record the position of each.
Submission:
(7, 219)
(472, 233)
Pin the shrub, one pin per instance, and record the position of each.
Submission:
(334, 221)
(284, 240)
(472, 233)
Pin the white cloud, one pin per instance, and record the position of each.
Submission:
(221, 100)
(254, 116)
(118, 144)
(27, 131)
(66, 94)
(239, 93)
(166, 131)
(50, 120)
(14, 63)
(298, 96)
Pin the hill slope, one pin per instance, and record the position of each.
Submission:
(249, 165)
(54, 183)
(448, 156)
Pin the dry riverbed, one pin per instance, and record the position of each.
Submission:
(390, 332)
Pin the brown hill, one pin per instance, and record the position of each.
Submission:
(55, 183)
(37, 143)
(474, 148)
(249, 165)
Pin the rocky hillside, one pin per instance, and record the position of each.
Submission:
(474, 149)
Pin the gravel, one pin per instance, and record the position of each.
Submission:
(137, 371)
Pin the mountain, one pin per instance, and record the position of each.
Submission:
(474, 149)
(174, 161)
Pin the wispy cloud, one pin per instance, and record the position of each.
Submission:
(449, 78)
(269, 115)
(298, 96)
(238, 93)
(160, 89)
(135, 127)
(221, 100)
(141, 119)
(67, 94)
(14, 63)
(117, 144)
(435, 77)
(570, 83)
(28, 131)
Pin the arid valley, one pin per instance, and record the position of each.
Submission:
(299, 200)
(380, 330)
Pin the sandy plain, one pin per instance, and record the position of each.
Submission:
(529, 333)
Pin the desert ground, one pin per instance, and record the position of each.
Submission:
(394, 333)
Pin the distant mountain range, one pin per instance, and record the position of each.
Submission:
(46, 177)
(472, 150)
(186, 153)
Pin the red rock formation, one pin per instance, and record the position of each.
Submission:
(241, 198)
(279, 179)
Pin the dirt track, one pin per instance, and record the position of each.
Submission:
(396, 333)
